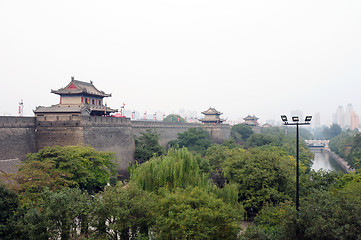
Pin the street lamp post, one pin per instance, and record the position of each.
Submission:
(296, 122)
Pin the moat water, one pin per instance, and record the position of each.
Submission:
(324, 161)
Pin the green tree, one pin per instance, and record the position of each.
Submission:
(305, 155)
(348, 146)
(257, 140)
(194, 213)
(147, 145)
(274, 222)
(8, 207)
(34, 176)
(241, 132)
(195, 139)
(319, 180)
(215, 156)
(331, 132)
(332, 215)
(179, 168)
(60, 167)
(354, 159)
(174, 118)
(329, 211)
(262, 174)
(59, 215)
(125, 212)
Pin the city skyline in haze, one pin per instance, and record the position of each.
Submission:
(243, 58)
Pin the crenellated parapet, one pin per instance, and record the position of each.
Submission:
(17, 122)
(154, 124)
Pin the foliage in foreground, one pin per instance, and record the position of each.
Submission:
(123, 211)
(262, 175)
(179, 169)
(8, 206)
(330, 212)
(194, 213)
(62, 167)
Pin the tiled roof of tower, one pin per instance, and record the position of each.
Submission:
(78, 87)
(211, 111)
(249, 117)
(84, 110)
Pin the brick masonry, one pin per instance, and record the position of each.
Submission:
(22, 135)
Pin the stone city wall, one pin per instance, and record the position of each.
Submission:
(17, 137)
(22, 135)
(110, 134)
(169, 130)
(102, 133)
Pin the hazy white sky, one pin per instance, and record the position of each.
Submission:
(241, 57)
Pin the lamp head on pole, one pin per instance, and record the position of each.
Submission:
(295, 119)
(284, 118)
(308, 118)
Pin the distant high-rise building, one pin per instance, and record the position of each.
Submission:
(354, 121)
(339, 116)
(347, 116)
(316, 120)
(346, 119)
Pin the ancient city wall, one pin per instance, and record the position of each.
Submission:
(110, 134)
(58, 131)
(219, 132)
(169, 131)
(22, 135)
(102, 133)
(17, 137)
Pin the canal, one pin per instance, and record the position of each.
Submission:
(325, 161)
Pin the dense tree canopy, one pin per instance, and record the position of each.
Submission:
(262, 175)
(194, 213)
(183, 195)
(179, 168)
(174, 118)
(241, 132)
(8, 206)
(147, 145)
(332, 131)
(195, 139)
(58, 215)
(348, 146)
(125, 212)
(59, 167)
(257, 140)
(329, 209)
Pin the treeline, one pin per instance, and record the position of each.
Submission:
(348, 146)
(327, 132)
(194, 189)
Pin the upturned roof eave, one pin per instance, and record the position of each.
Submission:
(67, 92)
